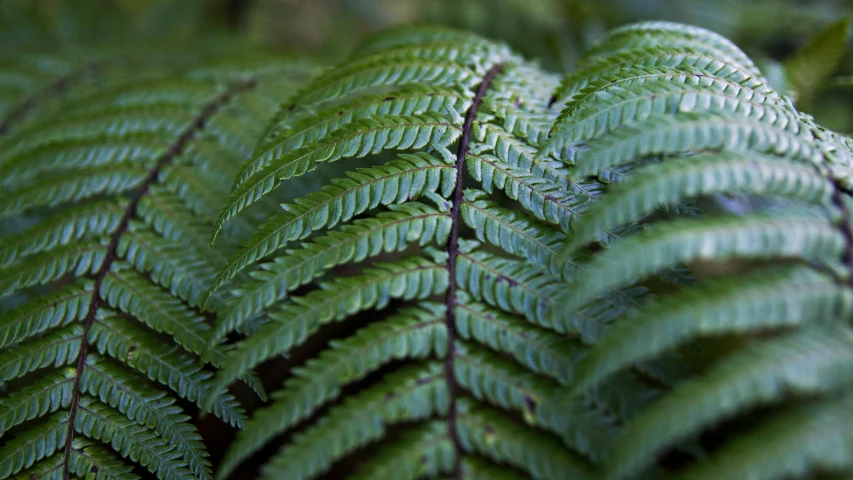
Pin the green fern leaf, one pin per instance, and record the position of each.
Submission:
(545, 200)
(541, 403)
(79, 259)
(515, 233)
(387, 232)
(83, 222)
(59, 348)
(691, 176)
(410, 278)
(293, 134)
(695, 55)
(71, 303)
(814, 360)
(86, 459)
(99, 422)
(424, 451)
(33, 444)
(669, 245)
(148, 407)
(413, 334)
(787, 298)
(120, 338)
(101, 298)
(78, 185)
(487, 432)
(665, 34)
(407, 177)
(614, 106)
(411, 394)
(356, 139)
(650, 274)
(813, 436)
(690, 132)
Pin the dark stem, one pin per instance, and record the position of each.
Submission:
(174, 151)
(452, 252)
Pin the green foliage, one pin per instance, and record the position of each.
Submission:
(468, 267)
(110, 260)
(768, 293)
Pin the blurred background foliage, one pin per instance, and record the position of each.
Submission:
(554, 31)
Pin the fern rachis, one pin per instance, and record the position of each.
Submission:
(478, 271)
(124, 325)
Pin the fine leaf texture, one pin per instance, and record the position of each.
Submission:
(444, 260)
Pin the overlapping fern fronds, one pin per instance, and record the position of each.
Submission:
(111, 179)
(769, 318)
(641, 269)
(487, 298)
(443, 106)
(428, 107)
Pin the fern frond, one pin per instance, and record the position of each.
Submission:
(814, 436)
(149, 407)
(117, 336)
(699, 57)
(509, 285)
(295, 133)
(722, 78)
(786, 298)
(614, 106)
(78, 259)
(423, 451)
(78, 185)
(544, 199)
(68, 304)
(131, 440)
(755, 237)
(487, 432)
(353, 140)
(651, 270)
(39, 79)
(515, 233)
(515, 287)
(802, 363)
(415, 333)
(690, 132)
(412, 66)
(128, 291)
(409, 279)
(107, 337)
(387, 232)
(406, 178)
(91, 458)
(518, 152)
(539, 350)
(33, 444)
(58, 348)
(541, 403)
(660, 185)
(46, 395)
(668, 34)
(410, 394)
(185, 275)
(83, 222)
(500, 136)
